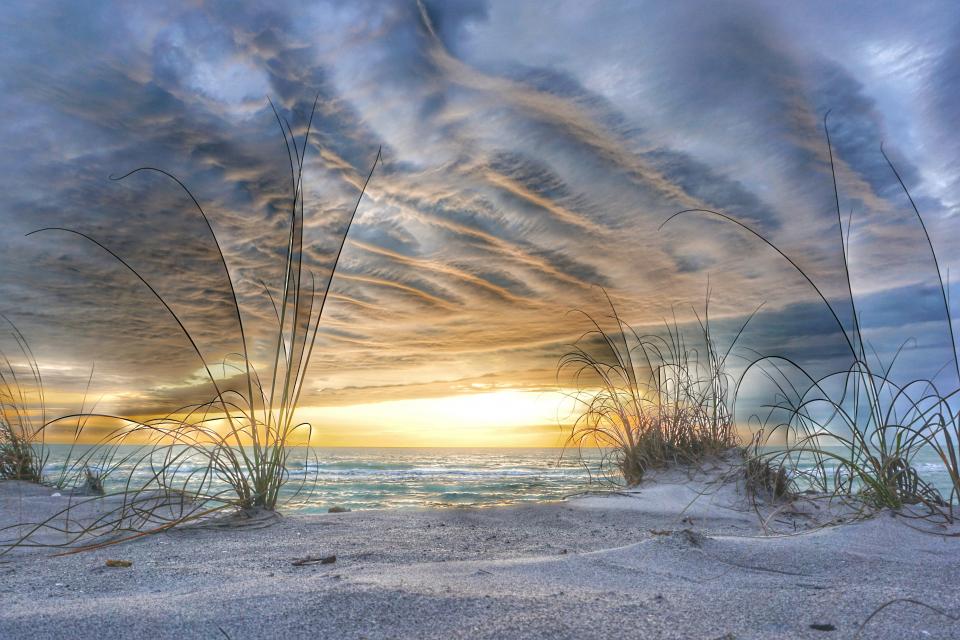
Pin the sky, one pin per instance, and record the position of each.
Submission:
(530, 154)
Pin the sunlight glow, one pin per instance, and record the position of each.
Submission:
(506, 418)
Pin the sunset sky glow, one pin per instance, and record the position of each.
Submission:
(531, 152)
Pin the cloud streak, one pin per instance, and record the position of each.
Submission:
(529, 158)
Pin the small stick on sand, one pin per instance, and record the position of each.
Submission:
(300, 562)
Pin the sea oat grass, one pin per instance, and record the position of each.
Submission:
(649, 400)
(231, 451)
(23, 454)
(856, 432)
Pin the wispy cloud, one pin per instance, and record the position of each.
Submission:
(530, 157)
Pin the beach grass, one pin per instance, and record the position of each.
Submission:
(24, 451)
(23, 454)
(649, 400)
(856, 431)
(230, 452)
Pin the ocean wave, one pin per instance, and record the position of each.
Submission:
(428, 472)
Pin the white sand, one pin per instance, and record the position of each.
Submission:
(679, 558)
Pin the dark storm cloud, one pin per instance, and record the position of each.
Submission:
(530, 155)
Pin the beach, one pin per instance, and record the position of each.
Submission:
(680, 557)
(479, 319)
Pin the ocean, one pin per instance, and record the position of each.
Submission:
(388, 478)
(371, 478)
(379, 478)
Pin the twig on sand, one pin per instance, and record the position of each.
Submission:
(300, 562)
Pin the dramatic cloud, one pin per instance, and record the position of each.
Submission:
(531, 154)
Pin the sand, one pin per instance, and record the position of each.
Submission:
(678, 558)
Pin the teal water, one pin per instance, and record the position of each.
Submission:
(375, 478)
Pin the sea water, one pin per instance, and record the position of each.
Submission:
(400, 477)
(378, 478)
(388, 478)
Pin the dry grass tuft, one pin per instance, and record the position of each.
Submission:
(231, 452)
(23, 455)
(649, 400)
(856, 432)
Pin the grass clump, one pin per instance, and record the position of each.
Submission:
(23, 454)
(765, 477)
(24, 450)
(231, 451)
(856, 432)
(649, 400)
